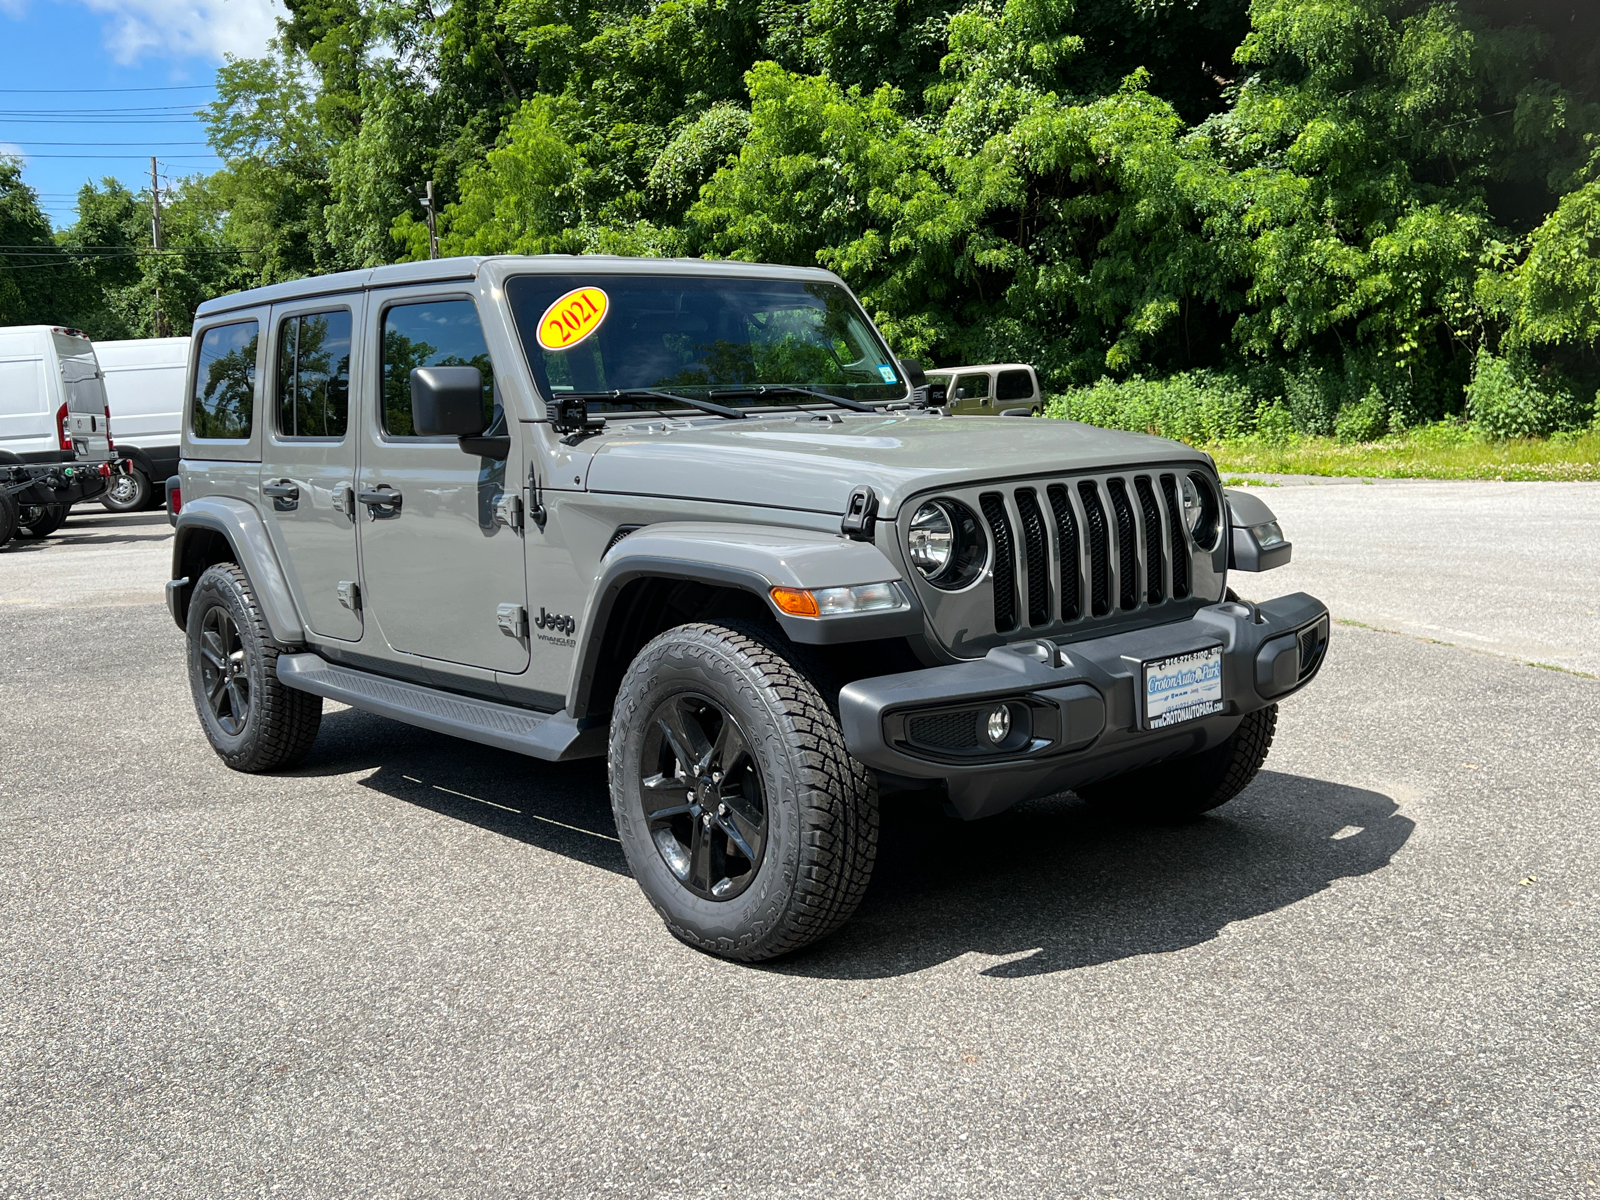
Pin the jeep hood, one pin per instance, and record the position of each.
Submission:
(812, 465)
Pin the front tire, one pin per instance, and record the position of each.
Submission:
(253, 722)
(1183, 788)
(127, 493)
(743, 817)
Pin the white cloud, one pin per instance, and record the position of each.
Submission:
(139, 29)
(14, 8)
(8, 150)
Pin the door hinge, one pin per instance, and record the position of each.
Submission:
(349, 595)
(513, 620)
(508, 510)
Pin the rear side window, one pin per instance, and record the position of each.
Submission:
(434, 333)
(314, 375)
(1014, 385)
(225, 381)
(973, 387)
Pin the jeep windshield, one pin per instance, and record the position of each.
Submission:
(718, 341)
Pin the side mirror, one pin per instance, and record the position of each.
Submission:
(447, 401)
(959, 394)
(915, 375)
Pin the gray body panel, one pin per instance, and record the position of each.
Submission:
(778, 462)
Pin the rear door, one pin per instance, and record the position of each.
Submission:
(83, 387)
(1015, 389)
(442, 577)
(308, 459)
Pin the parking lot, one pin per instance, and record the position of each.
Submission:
(417, 967)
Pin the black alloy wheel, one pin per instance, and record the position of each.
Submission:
(224, 670)
(701, 794)
(743, 817)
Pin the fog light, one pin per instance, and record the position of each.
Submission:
(998, 726)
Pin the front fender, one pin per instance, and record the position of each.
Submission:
(752, 558)
(242, 528)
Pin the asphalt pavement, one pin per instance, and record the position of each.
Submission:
(416, 967)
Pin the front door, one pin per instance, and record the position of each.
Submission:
(974, 400)
(308, 460)
(442, 577)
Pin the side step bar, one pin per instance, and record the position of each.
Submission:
(554, 737)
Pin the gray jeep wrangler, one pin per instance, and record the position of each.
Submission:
(698, 518)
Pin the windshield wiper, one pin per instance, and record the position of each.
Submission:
(788, 389)
(719, 410)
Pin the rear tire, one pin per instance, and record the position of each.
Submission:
(1183, 788)
(743, 817)
(41, 520)
(253, 722)
(128, 493)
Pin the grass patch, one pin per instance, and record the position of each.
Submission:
(1419, 454)
(1237, 481)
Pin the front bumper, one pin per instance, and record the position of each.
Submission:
(1077, 706)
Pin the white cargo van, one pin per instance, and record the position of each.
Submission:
(144, 380)
(52, 398)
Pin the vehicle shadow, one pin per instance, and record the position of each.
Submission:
(1052, 885)
(561, 807)
(1063, 885)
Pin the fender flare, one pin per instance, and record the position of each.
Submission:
(1246, 512)
(246, 534)
(750, 558)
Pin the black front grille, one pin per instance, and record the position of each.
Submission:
(1066, 550)
(1005, 569)
(1037, 557)
(1063, 540)
(1151, 511)
(945, 731)
(1175, 528)
(1127, 547)
(1094, 514)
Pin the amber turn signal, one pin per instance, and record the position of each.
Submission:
(797, 602)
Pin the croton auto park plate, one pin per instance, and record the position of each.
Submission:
(1182, 688)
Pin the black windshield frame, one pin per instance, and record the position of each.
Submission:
(646, 341)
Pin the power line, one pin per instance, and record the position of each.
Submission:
(110, 157)
(123, 143)
(176, 87)
(62, 112)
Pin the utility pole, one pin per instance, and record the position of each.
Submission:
(155, 239)
(433, 224)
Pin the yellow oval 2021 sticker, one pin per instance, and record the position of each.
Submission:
(572, 318)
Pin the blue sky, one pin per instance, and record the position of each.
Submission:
(58, 56)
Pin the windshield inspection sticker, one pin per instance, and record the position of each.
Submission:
(1182, 688)
(572, 318)
(887, 372)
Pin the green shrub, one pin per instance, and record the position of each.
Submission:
(1504, 404)
(1275, 424)
(1367, 420)
(1197, 407)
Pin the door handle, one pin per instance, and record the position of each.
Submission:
(283, 494)
(382, 502)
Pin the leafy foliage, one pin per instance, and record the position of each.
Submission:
(1322, 208)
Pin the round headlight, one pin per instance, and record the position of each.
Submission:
(945, 544)
(933, 539)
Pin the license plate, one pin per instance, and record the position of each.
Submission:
(1182, 688)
